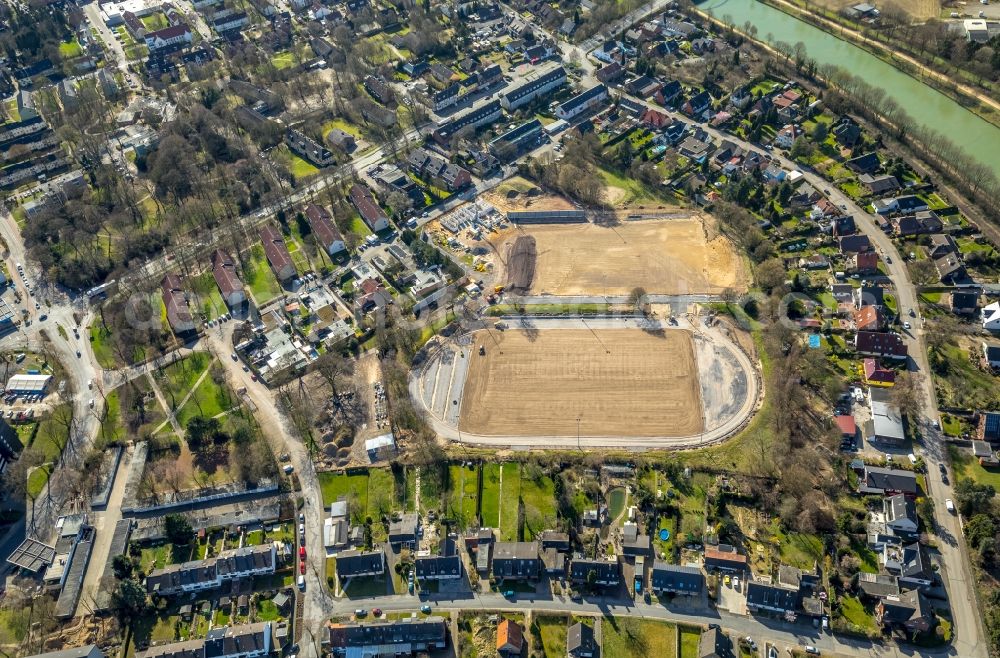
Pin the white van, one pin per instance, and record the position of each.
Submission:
(302, 583)
(950, 506)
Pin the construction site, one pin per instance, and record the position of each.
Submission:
(601, 382)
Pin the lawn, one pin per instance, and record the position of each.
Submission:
(283, 60)
(70, 49)
(960, 383)
(100, 343)
(463, 485)
(299, 257)
(552, 633)
(354, 487)
(510, 493)
(157, 557)
(155, 21)
(112, 426)
(966, 466)
(359, 227)
(341, 124)
(616, 503)
(539, 498)
(267, 611)
(491, 495)
(631, 190)
(856, 616)
(53, 433)
(178, 378)
(259, 278)
(37, 480)
(690, 637)
(208, 400)
(798, 549)
(382, 495)
(628, 637)
(208, 299)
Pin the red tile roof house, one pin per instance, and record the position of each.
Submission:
(178, 314)
(324, 229)
(868, 318)
(876, 374)
(230, 285)
(368, 209)
(847, 426)
(865, 262)
(277, 253)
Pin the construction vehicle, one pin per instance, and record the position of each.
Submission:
(497, 290)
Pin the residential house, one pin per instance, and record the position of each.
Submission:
(951, 269)
(175, 301)
(772, 598)
(847, 426)
(878, 586)
(341, 139)
(725, 558)
(533, 88)
(847, 132)
(580, 642)
(277, 253)
(885, 345)
(875, 374)
(369, 210)
(963, 303)
(443, 174)
(324, 229)
(306, 148)
(713, 643)
(990, 317)
(405, 637)
(403, 533)
(864, 164)
(610, 73)
(888, 481)
(880, 184)
(441, 100)
(886, 424)
(865, 262)
(991, 356)
(910, 611)
(510, 638)
(438, 567)
(900, 514)
(869, 296)
(476, 118)
(234, 565)
(924, 221)
(869, 318)
(674, 579)
(787, 135)
(557, 540)
(853, 244)
(988, 428)
(379, 89)
(697, 105)
(654, 119)
(168, 36)
(242, 641)
(633, 543)
(226, 277)
(516, 560)
(602, 573)
(517, 141)
(585, 101)
(358, 564)
(909, 563)
(983, 452)
(668, 93)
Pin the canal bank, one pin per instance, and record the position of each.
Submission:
(923, 103)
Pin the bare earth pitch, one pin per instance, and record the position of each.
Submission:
(664, 257)
(617, 381)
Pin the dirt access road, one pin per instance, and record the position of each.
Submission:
(559, 382)
(664, 256)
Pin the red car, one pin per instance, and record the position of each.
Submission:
(302, 552)
(377, 612)
(302, 567)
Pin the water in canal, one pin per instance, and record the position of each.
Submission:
(926, 105)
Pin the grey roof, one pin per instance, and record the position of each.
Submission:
(900, 507)
(429, 630)
(878, 585)
(773, 597)
(515, 550)
(237, 640)
(888, 424)
(405, 529)
(890, 479)
(436, 566)
(32, 555)
(676, 578)
(88, 651)
(607, 571)
(354, 562)
(580, 638)
(713, 642)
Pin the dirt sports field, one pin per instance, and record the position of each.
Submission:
(617, 381)
(664, 256)
(919, 9)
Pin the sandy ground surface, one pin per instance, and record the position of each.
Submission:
(671, 256)
(615, 381)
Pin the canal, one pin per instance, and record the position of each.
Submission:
(926, 105)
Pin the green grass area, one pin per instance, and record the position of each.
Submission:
(797, 549)
(259, 278)
(208, 300)
(629, 637)
(491, 495)
(510, 493)
(539, 498)
(857, 617)
(960, 383)
(359, 227)
(342, 124)
(967, 467)
(299, 257)
(381, 493)
(112, 424)
(209, 399)
(267, 611)
(70, 49)
(157, 557)
(634, 190)
(155, 21)
(301, 168)
(690, 636)
(283, 60)
(53, 433)
(100, 343)
(552, 633)
(354, 487)
(616, 502)
(37, 479)
(463, 496)
(178, 378)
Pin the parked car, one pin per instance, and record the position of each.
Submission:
(426, 609)
(360, 612)
(950, 506)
